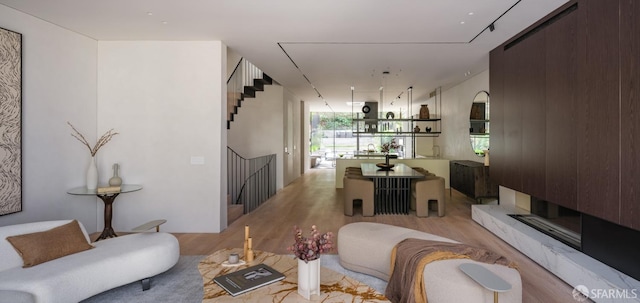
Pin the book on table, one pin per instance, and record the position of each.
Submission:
(247, 279)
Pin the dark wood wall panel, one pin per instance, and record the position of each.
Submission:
(561, 120)
(496, 84)
(630, 109)
(512, 109)
(598, 110)
(531, 93)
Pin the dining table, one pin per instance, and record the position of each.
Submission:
(392, 186)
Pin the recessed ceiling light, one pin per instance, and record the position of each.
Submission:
(165, 22)
(149, 13)
(470, 13)
(461, 22)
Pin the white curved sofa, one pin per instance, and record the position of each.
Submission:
(366, 247)
(111, 263)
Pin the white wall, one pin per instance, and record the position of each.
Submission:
(454, 141)
(257, 129)
(232, 59)
(296, 153)
(58, 85)
(166, 99)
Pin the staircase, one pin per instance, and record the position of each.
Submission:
(245, 81)
(250, 182)
(234, 211)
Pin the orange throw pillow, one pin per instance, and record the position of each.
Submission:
(40, 247)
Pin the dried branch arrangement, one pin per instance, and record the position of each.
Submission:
(106, 137)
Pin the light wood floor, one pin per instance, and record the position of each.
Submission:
(313, 199)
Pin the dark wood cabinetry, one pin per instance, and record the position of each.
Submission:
(512, 120)
(630, 107)
(561, 107)
(472, 179)
(525, 90)
(599, 110)
(565, 109)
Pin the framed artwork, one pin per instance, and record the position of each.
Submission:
(10, 122)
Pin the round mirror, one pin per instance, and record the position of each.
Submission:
(479, 123)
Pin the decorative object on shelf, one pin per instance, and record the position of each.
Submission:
(92, 174)
(370, 110)
(428, 129)
(416, 129)
(115, 180)
(307, 251)
(92, 171)
(390, 115)
(424, 111)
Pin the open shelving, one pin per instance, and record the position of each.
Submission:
(400, 127)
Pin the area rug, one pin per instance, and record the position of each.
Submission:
(183, 283)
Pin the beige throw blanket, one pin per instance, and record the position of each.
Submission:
(409, 257)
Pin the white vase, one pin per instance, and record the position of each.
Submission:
(309, 278)
(92, 174)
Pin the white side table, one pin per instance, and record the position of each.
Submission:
(486, 279)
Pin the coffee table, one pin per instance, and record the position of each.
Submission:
(334, 287)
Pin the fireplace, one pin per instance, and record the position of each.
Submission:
(612, 244)
(558, 222)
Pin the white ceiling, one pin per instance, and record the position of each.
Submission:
(336, 44)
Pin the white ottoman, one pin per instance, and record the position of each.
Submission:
(366, 247)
